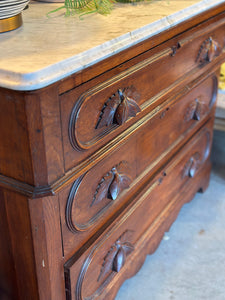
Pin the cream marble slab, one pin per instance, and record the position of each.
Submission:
(45, 50)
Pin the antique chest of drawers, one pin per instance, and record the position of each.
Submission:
(96, 164)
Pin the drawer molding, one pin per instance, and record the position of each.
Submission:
(117, 109)
(69, 205)
(145, 244)
(81, 168)
(101, 256)
(109, 187)
(83, 99)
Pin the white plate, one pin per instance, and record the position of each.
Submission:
(10, 8)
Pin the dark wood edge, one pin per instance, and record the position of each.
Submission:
(26, 189)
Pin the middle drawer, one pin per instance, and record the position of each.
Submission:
(96, 195)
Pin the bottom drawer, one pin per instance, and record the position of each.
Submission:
(98, 272)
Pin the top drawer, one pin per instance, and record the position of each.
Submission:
(97, 111)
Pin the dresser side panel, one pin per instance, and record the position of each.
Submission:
(43, 117)
(8, 285)
(48, 248)
(15, 157)
(20, 244)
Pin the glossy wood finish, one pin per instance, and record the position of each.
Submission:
(157, 74)
(95, 270)
(151, 142)
(16, 251)
(96, 167)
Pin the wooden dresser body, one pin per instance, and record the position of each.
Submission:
(95, 167)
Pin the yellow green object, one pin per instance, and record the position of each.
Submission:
(222, 77)
(83, 7)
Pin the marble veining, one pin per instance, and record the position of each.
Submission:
(45, 50)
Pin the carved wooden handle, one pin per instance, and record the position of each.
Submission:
(208, 51)
(117, 109)
(195, 110)
(113, 183)
(192, 166)
(116, 256)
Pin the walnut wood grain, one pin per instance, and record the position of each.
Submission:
(48, 250)
(32, 151)
(151, 239)
(172, 78)
(19, 279)
(142, 155)
(140, 214)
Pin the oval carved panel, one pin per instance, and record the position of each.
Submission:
(97, 113)
(113, 260)
(83, 209)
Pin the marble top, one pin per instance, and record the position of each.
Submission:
(45, 50)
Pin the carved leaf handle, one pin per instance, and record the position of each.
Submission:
(113, 183)
(192, 166)
(116, 256)
(195, 110)
(208, 51)
(119, 260)
(120, 182)
(117, 109)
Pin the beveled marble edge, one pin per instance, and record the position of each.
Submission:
(64, 68)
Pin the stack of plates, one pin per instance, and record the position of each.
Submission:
(10, 8)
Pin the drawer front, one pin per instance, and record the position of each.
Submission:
(92, 115)
(94, 271)
(101, 191)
